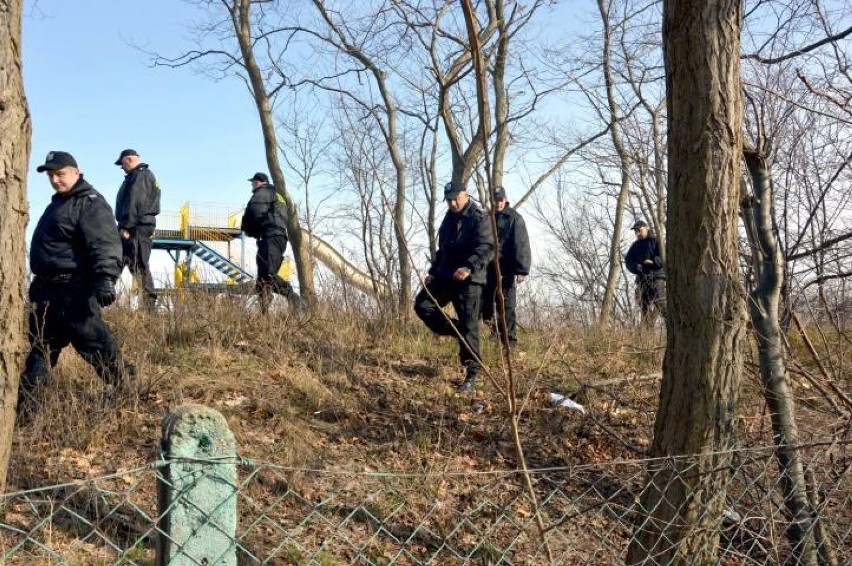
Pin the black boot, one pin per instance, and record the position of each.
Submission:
(469, 383)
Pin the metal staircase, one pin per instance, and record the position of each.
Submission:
(220, 262)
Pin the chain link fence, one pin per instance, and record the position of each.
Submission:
(323, 517)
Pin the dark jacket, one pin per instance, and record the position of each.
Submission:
(138, 200)
(264, 215)
(464, 240)
(515, 255)
(649, 248)
(76, 235)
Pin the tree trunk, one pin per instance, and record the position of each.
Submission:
(624, 163)
(241, 19)
(501, 100)
(683, 500)
(764, 306)
(390, 134)
(14, 156)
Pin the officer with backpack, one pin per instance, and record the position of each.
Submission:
(264, 219)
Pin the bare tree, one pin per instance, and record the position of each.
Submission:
(701, 370)
(349, 41)
(242, 25)
(764, 305)
(15, 129)
(625, 164)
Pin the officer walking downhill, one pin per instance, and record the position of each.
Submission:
(457, 275)
(264, 219)
(514, 257)
(136, 208)
(644, 260)
(75, 256)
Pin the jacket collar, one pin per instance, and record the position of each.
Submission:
(80, 187)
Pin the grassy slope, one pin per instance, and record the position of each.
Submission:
(333, 390)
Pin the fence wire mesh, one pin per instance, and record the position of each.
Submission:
(591, 514)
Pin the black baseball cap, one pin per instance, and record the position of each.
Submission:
(640, 224)
(124, 154)
(262, 177)
(499, 192)
(57, 160)
(452, 190)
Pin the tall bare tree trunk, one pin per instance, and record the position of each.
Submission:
(624, 161)
(683, 500)
(241, 18)
(764, 307)
(501, 100)
(14, 156)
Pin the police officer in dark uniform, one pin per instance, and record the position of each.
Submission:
(457, 275)
(75, 256)
(644, 260)
(136, 208)
(515, 258)
(264, 219)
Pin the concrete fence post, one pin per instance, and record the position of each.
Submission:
(197, 490)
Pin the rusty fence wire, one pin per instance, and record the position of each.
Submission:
(328, 517)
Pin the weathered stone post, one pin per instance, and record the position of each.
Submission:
(197, 493)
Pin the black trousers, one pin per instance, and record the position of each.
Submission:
(466, 298)
(270, 256)
(651, 293)
(64, 314)
(136, 254)
(489, 304)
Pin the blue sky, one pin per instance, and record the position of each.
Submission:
(92, 93)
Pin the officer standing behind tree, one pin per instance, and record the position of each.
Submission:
(75, 256)
(644, 260)
(136, 208)
(515, 258)
(457, 275)
(264, 219)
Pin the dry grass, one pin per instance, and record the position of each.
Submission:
(338, 387)
(339, 390)
(329, 389)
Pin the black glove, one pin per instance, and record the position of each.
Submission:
(104, 291)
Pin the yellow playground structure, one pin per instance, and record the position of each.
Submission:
(209, 233)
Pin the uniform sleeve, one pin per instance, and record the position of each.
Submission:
(523, 254)
(632, 258)
(439, 253)
(153, 191)
(100, 237)
(482, 251)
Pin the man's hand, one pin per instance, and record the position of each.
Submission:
(428, 280)
(104, 291)
(461, 274)
(520, 278)
(125, 234)
(639, 267)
